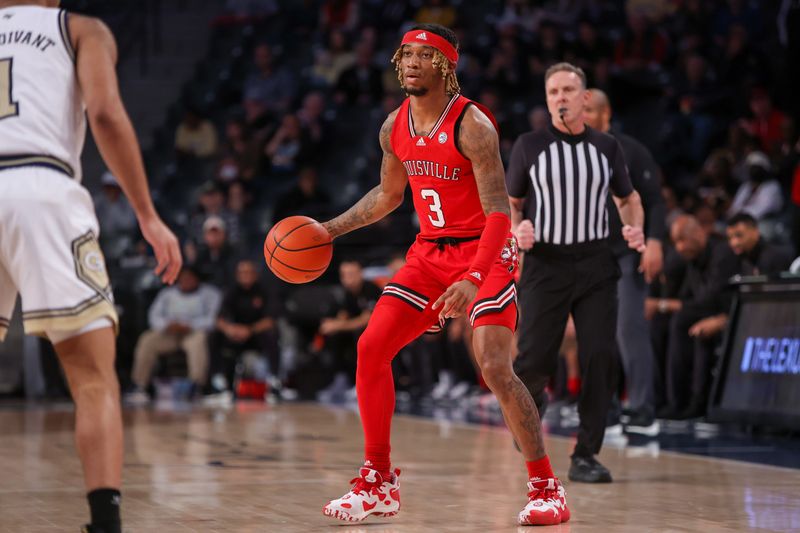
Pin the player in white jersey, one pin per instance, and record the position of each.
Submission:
(55, 70)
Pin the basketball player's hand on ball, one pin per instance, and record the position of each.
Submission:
(455, 299)
(635, 238)
(165, 246)
(524, 235)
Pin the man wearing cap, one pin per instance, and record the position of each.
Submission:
(761, 195)
(180, 318)
(215, 261)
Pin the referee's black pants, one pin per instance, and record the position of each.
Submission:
(558, 280)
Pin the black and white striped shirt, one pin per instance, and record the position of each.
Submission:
(565, 181)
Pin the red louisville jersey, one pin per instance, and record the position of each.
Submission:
(441, 178)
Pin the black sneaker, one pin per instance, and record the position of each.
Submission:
(643, 424)
(588, 470)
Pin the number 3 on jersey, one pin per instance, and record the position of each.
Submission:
(435, 206)
(7, 107)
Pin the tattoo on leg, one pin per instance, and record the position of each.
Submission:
(528, 415)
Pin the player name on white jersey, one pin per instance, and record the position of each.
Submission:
(36, 40)
(416, 167)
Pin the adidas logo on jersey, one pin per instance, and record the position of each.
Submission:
(422, 36)
(421, 142)
(476, 275)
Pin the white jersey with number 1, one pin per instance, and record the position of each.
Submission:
(42, 114)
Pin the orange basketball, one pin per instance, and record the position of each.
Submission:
(298, 249)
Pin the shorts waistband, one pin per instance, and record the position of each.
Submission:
(545, 249)
(8, 162)
(441, 242)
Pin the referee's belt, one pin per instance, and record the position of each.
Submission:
(441, 242)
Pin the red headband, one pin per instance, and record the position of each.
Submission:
(431, 39)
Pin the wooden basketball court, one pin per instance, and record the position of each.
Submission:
(258, 467)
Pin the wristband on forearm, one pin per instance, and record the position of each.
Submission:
(491, 244)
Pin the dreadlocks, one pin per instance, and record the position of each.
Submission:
(440, 62)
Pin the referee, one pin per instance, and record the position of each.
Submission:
(563, 175)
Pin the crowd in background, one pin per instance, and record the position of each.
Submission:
(289, 126)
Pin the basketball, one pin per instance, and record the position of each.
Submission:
(298, 249)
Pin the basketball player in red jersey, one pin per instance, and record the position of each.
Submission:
(462, 261)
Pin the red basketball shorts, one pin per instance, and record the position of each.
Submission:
(431, 268)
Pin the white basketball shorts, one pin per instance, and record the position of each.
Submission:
(49, 253)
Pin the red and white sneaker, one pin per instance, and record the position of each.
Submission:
(370, 495)
(547, 504)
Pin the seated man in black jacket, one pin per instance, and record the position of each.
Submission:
(710, 263)
(754, 257)
(245, 322)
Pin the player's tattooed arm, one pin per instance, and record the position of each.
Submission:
(478, 140)
(381, 200)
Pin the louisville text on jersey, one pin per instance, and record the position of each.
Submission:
(416, 167)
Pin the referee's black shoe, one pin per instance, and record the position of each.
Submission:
(588, 470)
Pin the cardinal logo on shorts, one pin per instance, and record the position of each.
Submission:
(509, 255)
(442, 138)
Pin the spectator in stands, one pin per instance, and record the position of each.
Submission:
(590, 51)
(313, 124)
(330, 62)
(287, 148)
(180, 318)
(214, 259)
(696, 100)
(341, 15)
(436, 12)
(195, 136)
(692, 18)
(238, 153)
(519, 16)
(114, 213)
(761, 195)
(709, 265)
(767, 122)
(642, 45)
(549, 49)
(212, 202)
(743, 64)
(360, 84)
(341, 332)
(268, 85)
(304, 198)
(506, 72)
(240, 204)
(245, 322)
(736, 12)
